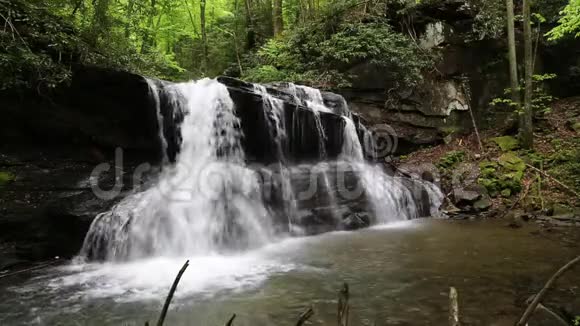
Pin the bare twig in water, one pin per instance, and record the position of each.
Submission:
(231, 321)
(549, 312)
(33, 268)
(453, 307)
(536, 301)
(305, 316)
(170, 295)
(343, 306)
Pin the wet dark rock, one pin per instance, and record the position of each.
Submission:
(465, 197)
(357, 221)
(52, 146)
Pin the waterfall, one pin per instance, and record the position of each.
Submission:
(275, 117)
(390, 198)
(351, 147)
(154, 92)
(209, 201)
(313, 98)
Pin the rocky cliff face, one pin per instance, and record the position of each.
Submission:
(470, 71)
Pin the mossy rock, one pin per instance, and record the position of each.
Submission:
(512, 162)
(506, 143)
(503, 177)
(6, 178)
(576, 126)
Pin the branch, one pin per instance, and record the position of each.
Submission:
(14, 30)
(453, 307)
(171, 292)
(231, 321)
(305, 316)
(343, 307)
(532, 307)
(553, 314)
(555, 180)
(33, 268)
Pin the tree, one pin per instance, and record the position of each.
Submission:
(513, 65)
(569, 23)
(203, 34)
(526, 128)
(278, 19)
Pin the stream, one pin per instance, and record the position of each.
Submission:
(399, 274)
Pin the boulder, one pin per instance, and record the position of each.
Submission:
(356, 221)
(506, 143)
(482, 204)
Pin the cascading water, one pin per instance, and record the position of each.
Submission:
(390, 198)
(154, 93)
(274, 112)
(208, 201)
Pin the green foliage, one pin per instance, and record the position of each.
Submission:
(569, 23)
(490, 18)
(564, 163)
(541, 99)
(41, 44)
(450, 159)
(323, 51)
(576, 321)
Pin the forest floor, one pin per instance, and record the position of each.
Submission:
(540, 184)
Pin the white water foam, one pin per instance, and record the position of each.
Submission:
(209, 201)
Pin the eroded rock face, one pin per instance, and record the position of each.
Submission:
(468, 74)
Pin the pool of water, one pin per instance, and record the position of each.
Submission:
(399, 274)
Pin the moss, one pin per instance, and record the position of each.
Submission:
(504, 177)
(512, 162)
(6, 178)
(506, 143)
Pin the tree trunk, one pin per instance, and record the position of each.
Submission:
(526, 127)
(148, 38)
(251, 34)
(278, 18)
(203, 35)
(191, 19)
(512, 55)
(129, 22)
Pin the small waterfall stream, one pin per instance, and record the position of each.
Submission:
(211, 201)
(206, 202)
